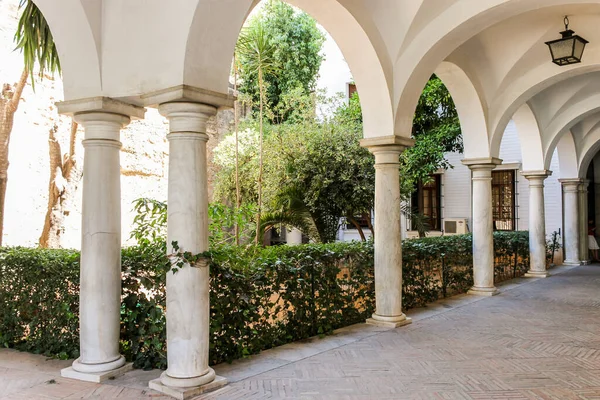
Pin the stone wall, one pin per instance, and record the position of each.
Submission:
(144, 157)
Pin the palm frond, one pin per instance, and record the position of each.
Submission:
(293, 212)
(34, 39)
(256, 50)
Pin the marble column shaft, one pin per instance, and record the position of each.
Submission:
(537, 224)
(388, 241)
(100, 293)
(483, 237)
(188, 312)
(571, 232)
(584, 252)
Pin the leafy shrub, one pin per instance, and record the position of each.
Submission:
(260, 297)
(39, 301)
(512, 254)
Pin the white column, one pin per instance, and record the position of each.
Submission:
(188, 313)
(537, 224)
(388, 238)
(584, 252)
(483, 235)
(100, 288)
(571, 220)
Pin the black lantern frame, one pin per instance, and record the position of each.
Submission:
(569, 48)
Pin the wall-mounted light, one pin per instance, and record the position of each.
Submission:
(568, 49)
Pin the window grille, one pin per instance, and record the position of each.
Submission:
(427, 201)
(503, 200)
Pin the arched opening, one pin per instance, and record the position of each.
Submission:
(207, 64)
(470, 110)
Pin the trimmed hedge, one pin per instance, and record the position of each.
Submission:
(260, 297)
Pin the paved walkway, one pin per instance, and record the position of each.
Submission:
(539, 339)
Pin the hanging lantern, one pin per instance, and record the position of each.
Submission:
(568, 49)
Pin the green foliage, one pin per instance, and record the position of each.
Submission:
(39, 301)
(436, 130)
(291, 211)
(512, 253)
(316, 172)
(224, 158)
(222, 220)
(351, 112)
(150, 222)
(260, 297)
(34, 39)
(143, 321)
(295, 42)
(335, 174)
(435, 108)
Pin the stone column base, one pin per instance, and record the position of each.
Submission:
(96, 377)
(575, 263)
(389, 322)
(483, 291)
(585, 262)
(184, 393)
(537, 274)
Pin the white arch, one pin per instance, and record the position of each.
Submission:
(563, 122)
(77, 41)
(567, 157)
(588, 149)
(471, 111)
(532, 83)
(460, 22)
(530, 138)
(207, 65)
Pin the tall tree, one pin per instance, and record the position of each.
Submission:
(9, 103)
(236, 122)
(257, 51)
(297, 44)
(436, 130)
(64, 174)
(34, 39)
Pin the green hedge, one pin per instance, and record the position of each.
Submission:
(260, 298)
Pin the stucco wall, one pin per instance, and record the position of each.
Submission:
(456, 191)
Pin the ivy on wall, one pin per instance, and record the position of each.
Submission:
(260, 297)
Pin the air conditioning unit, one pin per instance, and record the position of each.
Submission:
(412, 234)
(455, 226)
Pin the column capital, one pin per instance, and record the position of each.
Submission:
(87, 119)
(387, 141)
(482, 163)
(100, 105)
(102, 128)
(188, 94)
(187, 117)
(572, 184)
(536, 175)
(387, 149)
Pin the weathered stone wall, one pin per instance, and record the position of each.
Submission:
(144, 157)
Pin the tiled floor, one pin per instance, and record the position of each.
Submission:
(539, 339)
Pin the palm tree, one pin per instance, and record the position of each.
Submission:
(34, 39)
(255, 52)
(236, 121)
(291, 211)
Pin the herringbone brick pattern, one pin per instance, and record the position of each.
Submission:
(538, 341)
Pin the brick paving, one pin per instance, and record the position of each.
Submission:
(536, 340)
(540, 340)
